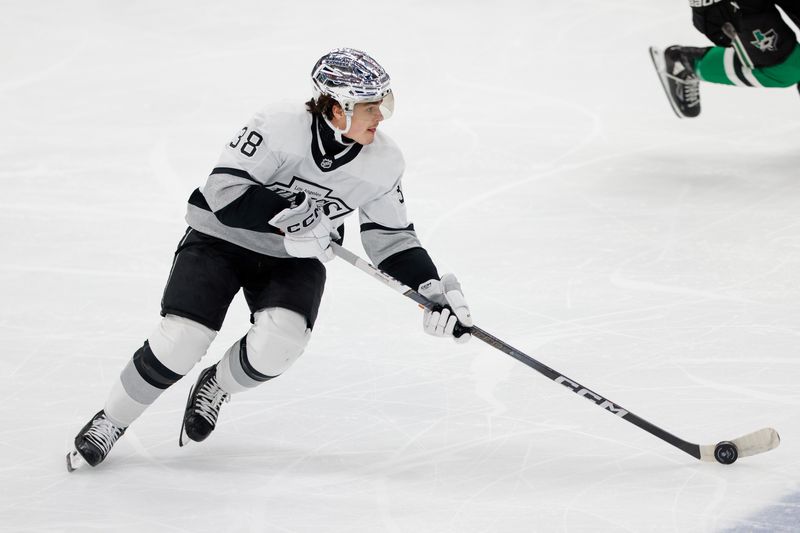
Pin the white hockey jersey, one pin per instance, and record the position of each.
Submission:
(282, 151)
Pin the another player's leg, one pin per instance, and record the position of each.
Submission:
(724, 66)
(675, 67)
(763, 52)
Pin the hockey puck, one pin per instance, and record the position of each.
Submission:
(726, 452)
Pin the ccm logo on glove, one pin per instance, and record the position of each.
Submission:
(306, 223)
(307, 231)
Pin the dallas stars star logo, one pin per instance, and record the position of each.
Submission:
(765, 41)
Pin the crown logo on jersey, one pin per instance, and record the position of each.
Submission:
(326, 163)
(332, 206)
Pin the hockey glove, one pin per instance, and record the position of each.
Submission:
(709, 19)
(307, 230)
(447, 294)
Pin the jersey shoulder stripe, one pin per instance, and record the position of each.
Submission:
(235, 172)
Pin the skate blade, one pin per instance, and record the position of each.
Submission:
(661, 69)
(74, 461)
(183, 439)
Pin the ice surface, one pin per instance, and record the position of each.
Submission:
(655, 260)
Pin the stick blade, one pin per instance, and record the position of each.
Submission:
(754, 443)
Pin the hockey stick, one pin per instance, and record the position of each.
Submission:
(725, 452)
(731, 33)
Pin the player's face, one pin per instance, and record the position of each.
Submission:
(364, 123)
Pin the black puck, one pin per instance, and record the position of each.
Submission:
(726, 452)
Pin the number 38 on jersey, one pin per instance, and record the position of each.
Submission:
(251, 144)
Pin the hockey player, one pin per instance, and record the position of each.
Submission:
(755, 47)
(263, 222)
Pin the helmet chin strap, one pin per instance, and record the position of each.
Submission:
(337, 133)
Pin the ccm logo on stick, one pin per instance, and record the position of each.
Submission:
(593, 396)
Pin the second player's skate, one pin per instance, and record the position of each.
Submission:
(202, 407)
(675, 69)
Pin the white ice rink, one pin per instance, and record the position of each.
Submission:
(653, 259)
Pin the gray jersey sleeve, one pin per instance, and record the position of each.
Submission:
(385, 229)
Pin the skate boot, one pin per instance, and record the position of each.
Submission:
(675, 68)
(93, 442)
(202, 407)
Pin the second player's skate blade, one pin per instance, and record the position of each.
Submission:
(661, 69)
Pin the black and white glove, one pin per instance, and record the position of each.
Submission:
(307, 230)
(447, 294)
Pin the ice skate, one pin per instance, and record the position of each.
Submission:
(675, 68)
(93, 442)
(202, 407)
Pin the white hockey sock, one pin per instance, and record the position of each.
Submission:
(120, 408)
(225, 378)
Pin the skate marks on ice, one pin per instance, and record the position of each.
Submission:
(779, 517)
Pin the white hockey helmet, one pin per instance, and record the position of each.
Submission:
(351, 77)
